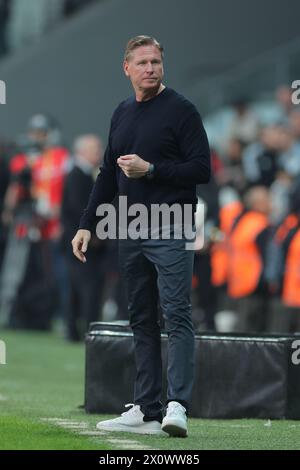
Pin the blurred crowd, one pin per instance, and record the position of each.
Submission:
(24, 22)
(44, 189)
(247, 275)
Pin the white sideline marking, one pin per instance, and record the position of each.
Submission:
(215, 425)
(67, 422)
(82, 428)
(58, 420)
(73, 426)
(268, 423)
(128, 444)
(92, 433)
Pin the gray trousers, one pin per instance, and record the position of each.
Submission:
(152, 270)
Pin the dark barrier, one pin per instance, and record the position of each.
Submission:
(235, 377)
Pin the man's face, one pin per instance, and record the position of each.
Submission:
(92, 151)
(38, 136)
(145, 68)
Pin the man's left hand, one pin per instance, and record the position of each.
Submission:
(133, 166)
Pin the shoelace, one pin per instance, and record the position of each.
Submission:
(133, 410)
(173, 408)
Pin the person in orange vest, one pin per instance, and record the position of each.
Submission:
(219, 253)
(32, 210)
(286, 280)
(291, 280)
(220, 248)
(247, 250)
(37, 176)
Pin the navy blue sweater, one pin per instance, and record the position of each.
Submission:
(167, 131)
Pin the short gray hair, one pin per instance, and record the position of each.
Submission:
(81, 140)
(139, 41)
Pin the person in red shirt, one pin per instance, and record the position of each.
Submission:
(33, 200)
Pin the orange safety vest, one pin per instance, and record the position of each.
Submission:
(245, 262)
(48, 172)
(290, 222)
(220, 249)
(291, 281)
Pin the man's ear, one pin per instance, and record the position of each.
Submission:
(125, 68)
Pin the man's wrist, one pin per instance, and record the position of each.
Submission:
(150, 172)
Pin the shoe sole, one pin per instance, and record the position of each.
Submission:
(174, 430)
(158, 432)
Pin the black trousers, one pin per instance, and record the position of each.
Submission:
(159, 269)
(86, 291)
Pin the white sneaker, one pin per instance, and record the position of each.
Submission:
(131, 421)
(175, 421)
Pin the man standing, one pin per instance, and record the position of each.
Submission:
(157, 153)
(86, 281)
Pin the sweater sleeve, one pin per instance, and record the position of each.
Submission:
(194, 147)
(104, 189)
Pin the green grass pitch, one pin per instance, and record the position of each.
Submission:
(42, 388)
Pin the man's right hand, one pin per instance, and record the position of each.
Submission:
(80, 244)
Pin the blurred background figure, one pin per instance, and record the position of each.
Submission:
(244, 125)
(248, 241)
(33, 281)
(4, 181)
(233, 174)
(294, 123)
(219, 261)
(284, 101)
(283, 268)
(291, 271)
(204, 292)
(260, 159)
(87, 281)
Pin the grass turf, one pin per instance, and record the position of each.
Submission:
(44, 379)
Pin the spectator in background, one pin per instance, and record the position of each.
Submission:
(247, 246)
(294, 122)
(279, 192)
(283, 267)
(284, 100)
(4, 181)
(260, 159)
(232, 173)
(289, 159)
(4, 173)
(204, 294)
(86, 280)
(244, 125)
(49, 174)
(32, 206)
(220, 250)
(270, 159)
